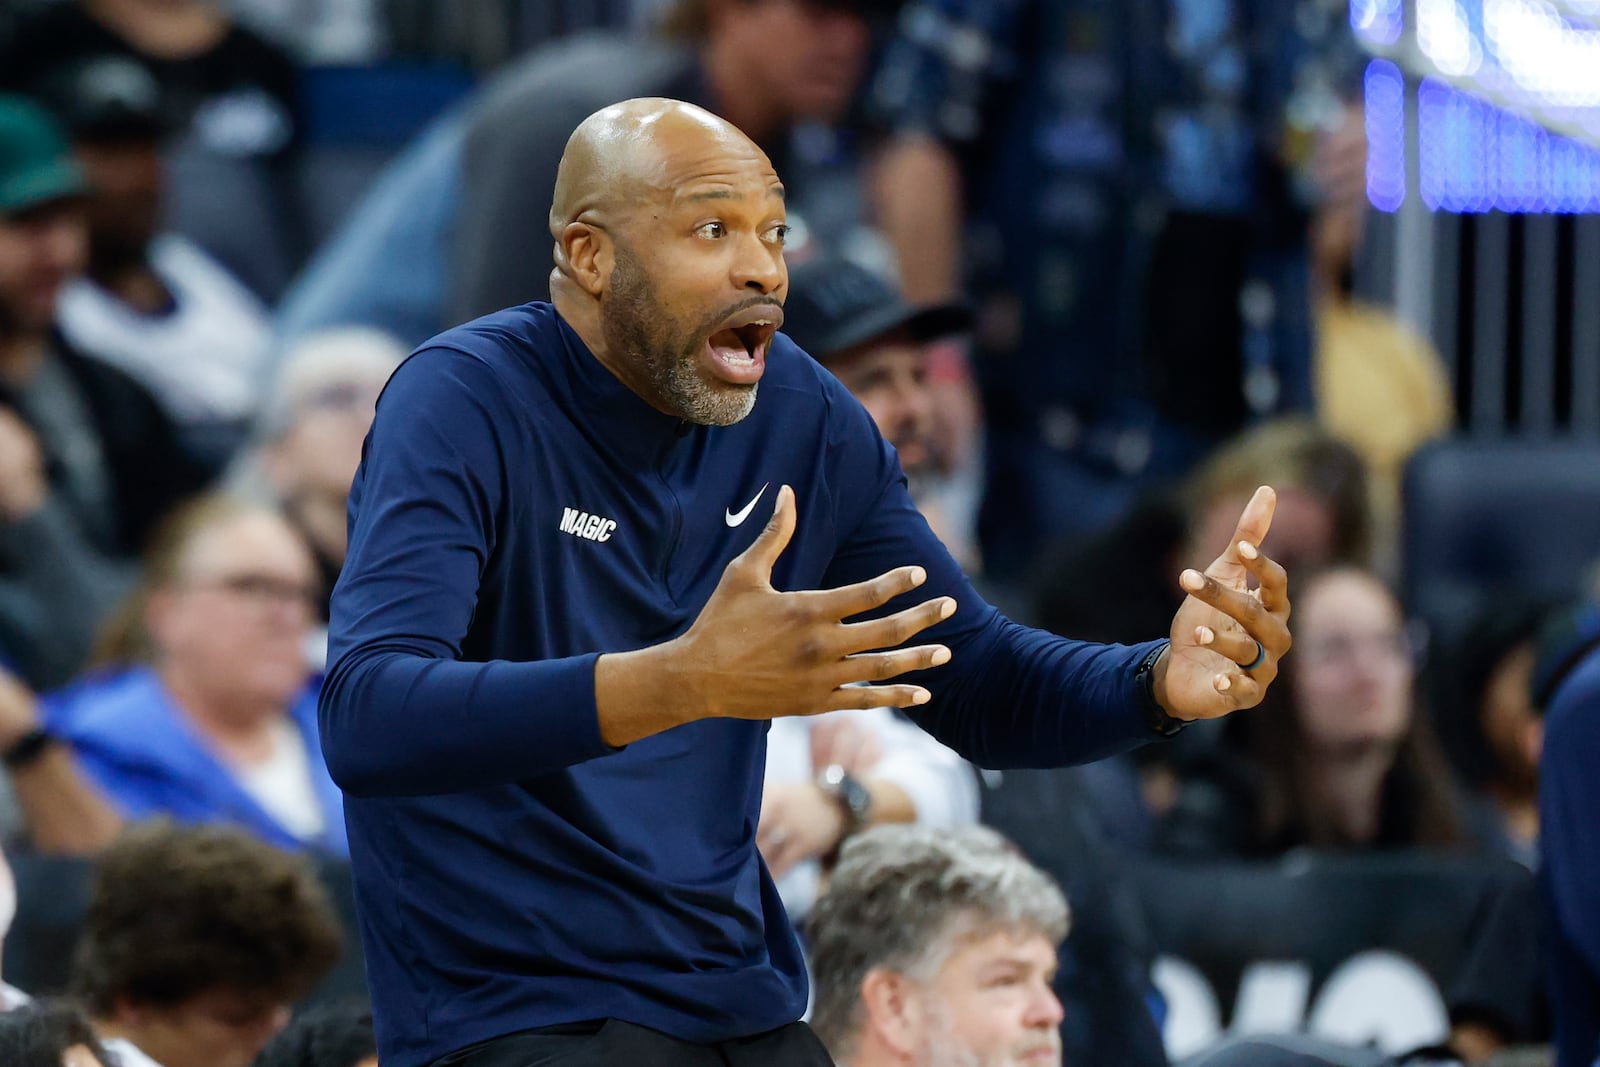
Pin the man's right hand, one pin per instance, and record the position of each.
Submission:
(758, 653)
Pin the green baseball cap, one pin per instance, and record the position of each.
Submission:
(36, 166)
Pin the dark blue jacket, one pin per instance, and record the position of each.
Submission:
(519, 512)
(1569, 840)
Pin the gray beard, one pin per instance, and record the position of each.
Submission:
(702, 402)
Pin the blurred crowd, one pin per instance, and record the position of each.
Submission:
(1088, 264)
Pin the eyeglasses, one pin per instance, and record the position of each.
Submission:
(263, 589)
(341, 396)
(1404, 645)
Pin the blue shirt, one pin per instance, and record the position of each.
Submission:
(139, 747)
(518, 512)
(1569, 837)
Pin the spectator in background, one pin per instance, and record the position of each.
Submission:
(329, 1035)
(936, 949)
(310, 435)
(857, 324)
(232, 93)
(214, 717)
(1112, 585)
(1105, 982)
(1481, 695)
(153, 303)
(1379, 386)
(196, 942)
(1136, 178)
(445, 233)
(1342, 758)
(88, 461)
(830, 776)
(50, 1035)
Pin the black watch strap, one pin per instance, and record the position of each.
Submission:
(29, 747)
(850, 794)
(1144, 681)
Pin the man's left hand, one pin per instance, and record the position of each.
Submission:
(1227, 638)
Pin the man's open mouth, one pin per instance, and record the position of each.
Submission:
(739, 349)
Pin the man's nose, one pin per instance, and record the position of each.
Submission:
(759, 267)
(1044, 1008)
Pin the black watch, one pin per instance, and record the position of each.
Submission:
(853, 798)
(1144, 681)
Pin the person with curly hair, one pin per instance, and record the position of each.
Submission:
(196, 942)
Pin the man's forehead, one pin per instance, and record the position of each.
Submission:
(711, 189)
(719, 175)
(1005, 944)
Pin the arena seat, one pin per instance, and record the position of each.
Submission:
(1381, 949)
(1485, 515)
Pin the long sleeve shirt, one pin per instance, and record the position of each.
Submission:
(1569, 841)
(519, 512)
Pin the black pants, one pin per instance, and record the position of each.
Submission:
(620, 1044)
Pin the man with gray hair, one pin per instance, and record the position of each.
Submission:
(937, 949)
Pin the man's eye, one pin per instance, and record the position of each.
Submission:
(778, 234)
(713, 230)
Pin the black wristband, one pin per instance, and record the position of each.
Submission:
(29, 747)
(853, 798)
(1144, 680)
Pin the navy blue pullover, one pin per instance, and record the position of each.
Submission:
(1569, 841)
(519, 511)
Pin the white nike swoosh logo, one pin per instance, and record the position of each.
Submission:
(734, 518)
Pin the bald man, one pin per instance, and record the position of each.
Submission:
(594, 545)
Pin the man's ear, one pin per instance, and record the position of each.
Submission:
(586, 252)
(891, 1008)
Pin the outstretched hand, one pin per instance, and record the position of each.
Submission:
(1228, 637)
(757, 653)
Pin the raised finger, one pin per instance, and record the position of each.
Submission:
(896, 629)
(848, 600)
(1271, 578)
(891, 663)
(763, 553)
(1256, 519)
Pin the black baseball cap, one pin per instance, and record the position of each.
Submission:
(835, 304)
(108, 98)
